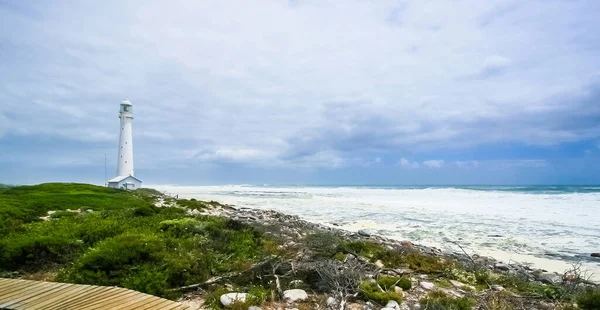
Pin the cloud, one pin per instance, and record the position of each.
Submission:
(433, 163)
(305, 84)
(405, 163)
(467, 164)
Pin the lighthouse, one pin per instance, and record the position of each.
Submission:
(125, 176)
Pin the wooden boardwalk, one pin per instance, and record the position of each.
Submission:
(25, 294)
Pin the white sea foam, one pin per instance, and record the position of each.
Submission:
(549, 231)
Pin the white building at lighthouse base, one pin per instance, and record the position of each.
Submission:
(125, 182)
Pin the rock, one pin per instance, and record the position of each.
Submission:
(295, 295)
(597, 255)
(427, 285)
(457, 284)
(503, 267)
(296, 283)
(407, 244)
(364, 233)
(392, 304)
(398, 290)
(253, 308)
(331, 302)
(549, 278)
(379, 263)
(497, 288)
(229, 299)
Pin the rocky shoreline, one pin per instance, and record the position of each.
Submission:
(293, 232)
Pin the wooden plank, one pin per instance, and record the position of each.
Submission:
(103, 292)
(18, 290)
(138, 302)
(30, 295)
(35, 295)
(75, 299)
(70, 290)
(159, 304)
(117, 297)
(17, 286)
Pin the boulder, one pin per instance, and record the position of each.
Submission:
(427, 285)
(503, 267)
(407, 244)
(295, 295)
(392, 304)
(597, 255)
(379, 263)
(364, 233)
(457, 284)
(497, 288)
(227, 300)
(331, 302)
(549, 278)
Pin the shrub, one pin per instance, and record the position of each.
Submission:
(60, 213)
(144, 211)
(37, 251)
(363, 248)
(111, 260)
(370, 291)
(589, 300)
(388, 283)
(181, 227)
(149, 279)
(437, 300)
(323, 244)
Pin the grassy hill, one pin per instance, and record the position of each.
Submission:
(117, 237)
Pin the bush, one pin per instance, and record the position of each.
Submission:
(110, 262)
(60, 213)
(145, 211)
(38, 251)
(371, 292)
(437, 300)
(589, 300)
(182, 227)
(323, 244)
(388, 283)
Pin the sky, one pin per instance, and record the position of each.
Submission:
(303, 91)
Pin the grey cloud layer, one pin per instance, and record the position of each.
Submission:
(307, 83)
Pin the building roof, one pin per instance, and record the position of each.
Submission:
(121, 178)
(127, 102)
(26, 294)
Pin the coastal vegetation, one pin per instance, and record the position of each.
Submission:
(150, 242)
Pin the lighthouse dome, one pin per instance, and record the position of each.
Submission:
(126, 102)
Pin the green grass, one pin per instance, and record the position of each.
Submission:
(438, 300)
(25, 204)
(125, 242)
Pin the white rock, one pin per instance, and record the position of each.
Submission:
(331, 302)
(295, 295)
(497, 288)
(253, 308)
(379, 263)
(427, 285)
(229, 299)
(386, 308)
(457, 284)
(398, 290)
(392, 304)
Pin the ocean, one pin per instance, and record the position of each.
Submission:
(549, 227)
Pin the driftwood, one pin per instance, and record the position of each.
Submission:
(215, 280)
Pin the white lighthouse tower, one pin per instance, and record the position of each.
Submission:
(125, 176)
